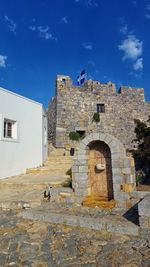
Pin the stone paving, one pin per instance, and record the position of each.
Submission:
(40, 244)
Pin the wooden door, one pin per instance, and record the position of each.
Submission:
(100, 180)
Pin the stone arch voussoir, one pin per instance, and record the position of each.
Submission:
(114, 144)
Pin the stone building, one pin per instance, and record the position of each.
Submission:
(73, 107)
(103, 167)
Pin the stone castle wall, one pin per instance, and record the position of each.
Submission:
(52, 120)
(73, 107)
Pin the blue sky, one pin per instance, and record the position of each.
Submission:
(43, 38)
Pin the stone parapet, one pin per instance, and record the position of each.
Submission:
(144, 212)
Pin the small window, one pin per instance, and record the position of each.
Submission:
(81, 133)
(100, 108)
(63, 81)
(10, 130)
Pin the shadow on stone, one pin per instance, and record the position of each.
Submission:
(132, 215)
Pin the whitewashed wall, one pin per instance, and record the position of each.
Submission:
(29, 147)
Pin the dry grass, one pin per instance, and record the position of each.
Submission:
(93, 202)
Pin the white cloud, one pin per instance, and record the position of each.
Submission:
(3, 61)
(32, 28)
(65, 20)
(91, 3)
(148, 7)
(88, 3)
(10, 23)
(88, 46)
(124, 29)
(91, 63)
(43, 32)
(134, 3)
(147, 16)
(132, 47)
(138, 65)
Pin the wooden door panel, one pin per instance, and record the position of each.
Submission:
(100, 181)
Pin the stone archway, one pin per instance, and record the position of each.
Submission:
(100, 171)
(121, 166)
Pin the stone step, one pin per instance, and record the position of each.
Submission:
(77, 216)
(53, 161)
(25, 186)
(55, 170)
(24, 198)
(57, 165)
(59, 162)
(33, 181)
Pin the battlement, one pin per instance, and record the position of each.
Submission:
(65, 84)
(73, 109)
(132, 92)
(62, 83)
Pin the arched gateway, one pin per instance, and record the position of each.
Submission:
(103, 169)
(100, 170)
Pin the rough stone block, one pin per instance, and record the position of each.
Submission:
(71, 220)
(127, 228)
(82, 162)
(121, 196)
(139, 194)
(80, 176)
(117, 155)
(116, 171)
(81, 192)
(118, 163)
(82, 146)
(83, 169)
(107, 140)
(127, 187)
(82, 152)
(118, 179)
(91, 223)
(85, 141)
(144, 206)
(126, 170)
(90, 137)
(144, 222)
(102, 137)
(126, 163)
(75, 168)
(116, 188)
(82, 157)
(82, 184)
(95, 136)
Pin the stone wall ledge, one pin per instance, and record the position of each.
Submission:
(110, 225)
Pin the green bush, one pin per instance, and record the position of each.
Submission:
(139, 177)
(96, 117)
(67, 183)
(74, 136)
(69, 172)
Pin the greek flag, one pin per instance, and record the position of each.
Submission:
(81, 78)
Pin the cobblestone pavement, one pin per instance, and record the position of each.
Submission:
(40, 244)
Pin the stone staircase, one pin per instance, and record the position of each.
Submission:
(58, 162)
(30, 187)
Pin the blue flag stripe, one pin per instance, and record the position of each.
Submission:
(81, 78)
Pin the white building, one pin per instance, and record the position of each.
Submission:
(23, 134)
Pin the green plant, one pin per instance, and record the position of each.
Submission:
(67, 183)
(96, 117)
(69, 172)
(141, 151)
(139, 176)
(74, 136)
